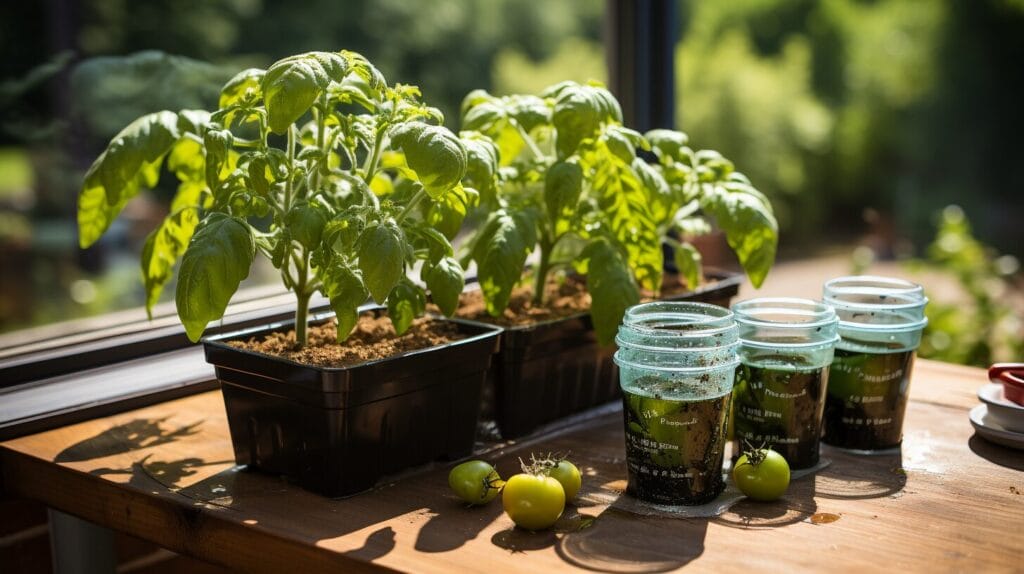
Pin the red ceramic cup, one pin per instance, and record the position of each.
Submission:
(1012, 377)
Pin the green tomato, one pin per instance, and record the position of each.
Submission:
(532, 501)
(475, 481)
(762, 474)
(568, 476)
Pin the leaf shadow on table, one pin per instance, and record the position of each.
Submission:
(133, 435)
(260, 498)
(377, 545)
(857, 477)
(149, 474)
(454, 523)
(996, 454)
(621, 542)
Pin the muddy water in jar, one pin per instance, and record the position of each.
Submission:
(782, 408)
(786, 347)
(867, 399)
(674, 448)
(677, 363)
(881, 320)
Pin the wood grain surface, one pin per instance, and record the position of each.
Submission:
(949, 501)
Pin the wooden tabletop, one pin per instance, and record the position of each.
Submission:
(950, 501)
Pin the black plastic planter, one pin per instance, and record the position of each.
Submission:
(336, 431)
(550, 370)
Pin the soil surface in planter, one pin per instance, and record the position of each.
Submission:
(372, 339)
(566, 297)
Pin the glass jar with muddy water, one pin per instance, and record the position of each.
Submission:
(880, 325)
(677, 363)
(786, 347)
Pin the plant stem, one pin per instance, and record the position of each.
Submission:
(534, 148)
(302, 295)
(291, 162)
(541, 279)
(371, 161)
(301, 317)
(411, 204)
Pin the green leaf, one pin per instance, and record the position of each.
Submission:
(500, 254)
(342, 232)
(482, 112)
(363, 69)
(579, 113)
(405, 302)
(434, 153)
(193, 122)
(168, 241)
(306, 224)
(688, 263)
(497, 118)
(447, 213)
(131, 160)
(244, 88)
(611, 287)
(217, 144)
(749, 224)
(94, 213)
(217, 259)
(445, 281)
(622, 142)
(291, 86)
(381, 258)
(528, 111)
(481, 163)
(437, 244)
(186, 160)
(667, 145)
(661, 202)
(628, 210)
(346, 291)
(562, 187)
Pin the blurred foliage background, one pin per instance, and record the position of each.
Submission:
(861, 119)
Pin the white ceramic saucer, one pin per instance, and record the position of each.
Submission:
(1006, 414)
(993, 431)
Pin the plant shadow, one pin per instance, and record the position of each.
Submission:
(147, 474)
(133, 435)
(454, 523)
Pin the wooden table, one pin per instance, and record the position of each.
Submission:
(949, 501)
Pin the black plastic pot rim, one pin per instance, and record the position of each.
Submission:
(722, 276)
(220, 340)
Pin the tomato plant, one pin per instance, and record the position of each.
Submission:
(533, 501)
(475, 481)
(761, 474)
(342, 181)
(572, 187)
(699, 184)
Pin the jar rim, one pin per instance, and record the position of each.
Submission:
(694, 315)
(810, 308)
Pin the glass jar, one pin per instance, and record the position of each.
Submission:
(880, 325)
(677, 362)
(786, 347)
